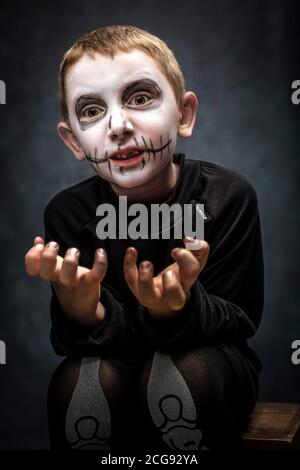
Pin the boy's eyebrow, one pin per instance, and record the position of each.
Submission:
(142, 81)
(127, 89)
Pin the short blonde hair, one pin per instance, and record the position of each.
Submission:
(108, 41)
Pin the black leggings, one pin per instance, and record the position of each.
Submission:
(187, 400)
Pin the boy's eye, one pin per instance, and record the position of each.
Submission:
(90, 113)
(140, 99)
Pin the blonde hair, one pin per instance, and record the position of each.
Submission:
(108, 41)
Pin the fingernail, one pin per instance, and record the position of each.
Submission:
(169, 273)
(194, 245)
(145, 265)
(73, 251)
(52, 245)
(190, 239)
(101, 251)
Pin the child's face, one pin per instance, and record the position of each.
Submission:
(124, 104)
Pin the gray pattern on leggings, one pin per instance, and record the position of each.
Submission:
(88, 421)
(171, 405)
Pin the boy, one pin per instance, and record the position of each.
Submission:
(155, 330)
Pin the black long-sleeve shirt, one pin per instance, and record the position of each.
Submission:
(226, 301)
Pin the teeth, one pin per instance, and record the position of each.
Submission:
(128, 155)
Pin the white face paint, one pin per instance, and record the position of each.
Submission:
(123, 104)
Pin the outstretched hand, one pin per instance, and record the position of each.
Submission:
(78, 288)
(167, 293)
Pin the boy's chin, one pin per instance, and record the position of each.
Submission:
(129, 183)
(132, 178)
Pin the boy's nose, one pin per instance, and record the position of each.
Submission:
(119, 127)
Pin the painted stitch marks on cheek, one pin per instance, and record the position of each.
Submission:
(94, 160)
(153, 152)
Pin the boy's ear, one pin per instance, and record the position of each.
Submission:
(188, 111)
(67, 135)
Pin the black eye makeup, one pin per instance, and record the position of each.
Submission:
(140, 92)
(89, 108)
(138, 95)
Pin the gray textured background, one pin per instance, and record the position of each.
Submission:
(240, 58)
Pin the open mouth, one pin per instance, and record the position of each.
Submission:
(129, 158)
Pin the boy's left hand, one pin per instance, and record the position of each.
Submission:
(167, 293)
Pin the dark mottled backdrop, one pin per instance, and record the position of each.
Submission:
(240, 58)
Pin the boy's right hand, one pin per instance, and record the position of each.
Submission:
(78, 289)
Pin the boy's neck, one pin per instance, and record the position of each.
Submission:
(156, 190)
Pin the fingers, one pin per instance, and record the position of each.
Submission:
(191, 263)
(38, 240)
(141, 283)
(99, 268)
(49, 264)
(146, 288)
(174, 294)
(44, 261)
(205, 253)
(201, 254)
(68, 271)
(130, 270)
(199, 248)
(32, 257)
(70, 275)
(139, 280)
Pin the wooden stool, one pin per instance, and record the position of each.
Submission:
(273, 426)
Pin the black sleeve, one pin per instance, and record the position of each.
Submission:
(111, 337)
(226, 301)
(67, 336)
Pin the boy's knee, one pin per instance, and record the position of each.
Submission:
(184, 372)
(113, 374)
(183, 389)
